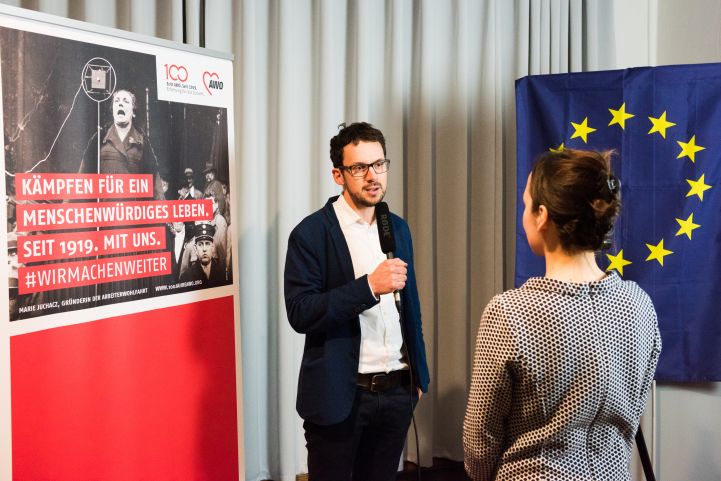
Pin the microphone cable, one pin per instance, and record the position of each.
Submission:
(413, 387)
(388, 246)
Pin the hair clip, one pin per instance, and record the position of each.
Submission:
(613, 184)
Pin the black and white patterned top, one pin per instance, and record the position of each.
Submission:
(560, 379)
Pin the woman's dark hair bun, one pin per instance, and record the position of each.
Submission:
(581, 194)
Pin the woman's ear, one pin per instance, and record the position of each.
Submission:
(542, 218)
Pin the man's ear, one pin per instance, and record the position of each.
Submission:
(338, 177)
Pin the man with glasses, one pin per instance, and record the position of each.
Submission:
(364, 365)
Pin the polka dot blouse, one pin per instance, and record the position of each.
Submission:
(560, 378)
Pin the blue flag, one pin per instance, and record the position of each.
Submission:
(665, 125)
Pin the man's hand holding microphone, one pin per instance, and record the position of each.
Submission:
(390, 276)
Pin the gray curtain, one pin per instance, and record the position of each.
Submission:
(438, 78)
(460, 182)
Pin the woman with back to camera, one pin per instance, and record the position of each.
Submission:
(563, 364)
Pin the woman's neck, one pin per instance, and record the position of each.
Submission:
(122, 130)
(577, 267)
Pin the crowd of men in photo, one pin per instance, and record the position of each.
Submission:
(202, 250)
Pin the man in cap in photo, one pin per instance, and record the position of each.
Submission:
(206, 268)
(213, 186)
(188, 190)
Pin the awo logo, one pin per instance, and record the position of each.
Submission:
(211, 81)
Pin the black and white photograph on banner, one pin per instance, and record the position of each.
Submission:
(75, 112)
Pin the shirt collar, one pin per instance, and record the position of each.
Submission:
(112, 136)
(610, 282)
(346, 215)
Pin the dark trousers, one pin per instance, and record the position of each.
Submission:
(367, 446)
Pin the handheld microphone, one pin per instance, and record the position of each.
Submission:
(388, 242)
(385, 229)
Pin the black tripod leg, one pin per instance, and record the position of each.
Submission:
(643, 454)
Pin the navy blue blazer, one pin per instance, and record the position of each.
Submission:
(323, 300)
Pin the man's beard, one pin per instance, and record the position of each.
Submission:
(359, 201)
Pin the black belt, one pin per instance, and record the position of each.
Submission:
(382, 381)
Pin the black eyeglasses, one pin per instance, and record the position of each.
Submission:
(360, 170)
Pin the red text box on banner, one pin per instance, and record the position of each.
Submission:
(35, 248)
(45, 217)
(82, 186)
(96, 271)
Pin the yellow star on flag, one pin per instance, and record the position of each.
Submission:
(620, 116)
(687, 226)
(582, 130)
(689, 149)
(558, 149)
(660, 124)
(617, 262)
(698, 187)
(657, 252)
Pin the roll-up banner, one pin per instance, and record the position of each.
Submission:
(120, 335)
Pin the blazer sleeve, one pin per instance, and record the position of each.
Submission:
(489, 399)
(412, 309)
(311, 306)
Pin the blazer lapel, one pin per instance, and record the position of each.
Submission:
(339, 244)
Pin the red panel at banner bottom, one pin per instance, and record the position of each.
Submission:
(139, 397)
(86, 273)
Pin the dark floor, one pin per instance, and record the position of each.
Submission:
(442, 470)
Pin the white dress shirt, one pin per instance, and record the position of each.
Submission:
(179, 241)
(381, 338)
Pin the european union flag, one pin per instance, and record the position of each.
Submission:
(665, 124)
